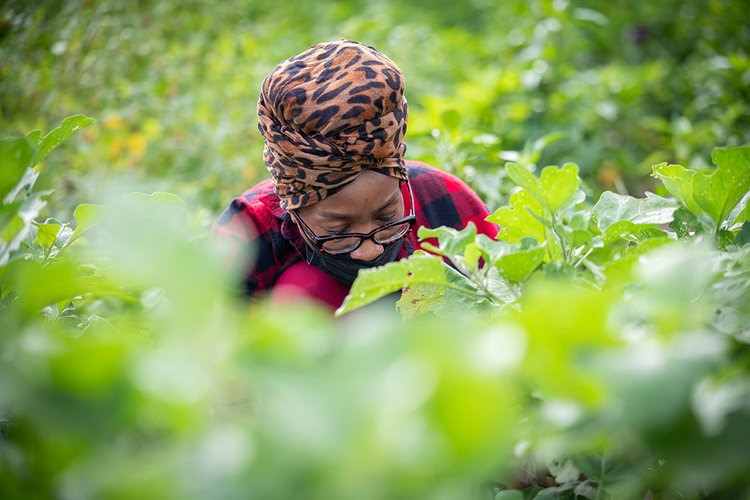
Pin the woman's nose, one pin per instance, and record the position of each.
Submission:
(367, 251)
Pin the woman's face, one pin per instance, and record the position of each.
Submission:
(370, 201)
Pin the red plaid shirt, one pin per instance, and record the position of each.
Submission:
(261, 232)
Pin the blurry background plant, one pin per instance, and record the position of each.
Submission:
(130, 371)
(600, 356)
(174, 85)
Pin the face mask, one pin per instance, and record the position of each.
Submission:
(344, 268)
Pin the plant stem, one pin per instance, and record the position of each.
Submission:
(583, 257)
(559, 238)
(599, 488)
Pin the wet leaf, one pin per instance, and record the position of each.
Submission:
(719, 191)
(652, 209)
(679, 182)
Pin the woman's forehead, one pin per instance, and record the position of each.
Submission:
(369, 192)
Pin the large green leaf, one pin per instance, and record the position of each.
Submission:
(559, 184)
(62, 280)
(626, 230)
(87, 216)
(519, 265)
(372, 284)
(553, 189)
(450, 241)
(679, 182)
(18, 225)
(516, 221)
(527, 180)
(652, 209)
(719, 191)
(16, 154)
(46, 235)
(55, 137)
(420, 299)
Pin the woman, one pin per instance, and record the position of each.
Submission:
(341, 196)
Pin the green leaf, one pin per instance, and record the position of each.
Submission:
(493, 249)
(684, 221)
(46, 236)
(679, 182)
(564, 471)
(559, 185)
(509, 495)
(451, 242)
(19, 225)
(419, 299)
(652, 209)
(26, 183)
(518, 266)
(157, 198)
(55, 137)
(527, 180)
(372, 284)
(626, 230)
(16, 154)
(87, 216)
(719, 191)
(743, 237)
(744, 214)
(63, 280)
(516, 221)
(553, 189)
(538, 145)
(472, 254)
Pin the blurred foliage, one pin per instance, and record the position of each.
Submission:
(601, 354)
(174, 85)
(597, 351)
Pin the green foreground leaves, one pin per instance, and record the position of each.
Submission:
(604, 347)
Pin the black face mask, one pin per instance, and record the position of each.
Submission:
(344, 268)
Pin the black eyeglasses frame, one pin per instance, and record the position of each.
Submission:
(319, 241)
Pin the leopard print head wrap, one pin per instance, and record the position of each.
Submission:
(329, 113)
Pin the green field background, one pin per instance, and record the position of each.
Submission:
(174, 85)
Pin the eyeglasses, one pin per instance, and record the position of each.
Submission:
(337, 244)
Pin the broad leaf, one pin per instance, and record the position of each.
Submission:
(420, 299)
(559, 185)
(719, 191)
(684, 221)
(743, 237)
(626, 230)
(372, 284)
(55, 137)
(516, 221)
(451, 242)
(518, 266)
(87, 216)
(19, 225)
(46, 235)
(679, 182)
(553, 189)
(16, 154)
(527, 180)
(25, 184)
(652, 209)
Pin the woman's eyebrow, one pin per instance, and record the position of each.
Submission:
(332, 214)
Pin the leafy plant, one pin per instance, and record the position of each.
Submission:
(581, 281)
(596, 351)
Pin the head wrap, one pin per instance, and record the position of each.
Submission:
(329, 113)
